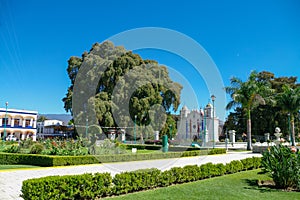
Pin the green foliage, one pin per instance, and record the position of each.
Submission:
(12, 149)
(50, 160)
(88, 186)
(248, 95)
(216, 151)
(234, 166)
(289, 102)
(273, 113)
(108, 147)
(283, 166)
(127, 182)
(26, 143)
(36, 148)
(169, 128)
(30, 159)
(119, 70)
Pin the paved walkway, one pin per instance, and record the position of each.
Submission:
(11, 180)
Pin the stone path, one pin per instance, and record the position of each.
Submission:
(11, 180)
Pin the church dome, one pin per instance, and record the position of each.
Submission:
(184, 108)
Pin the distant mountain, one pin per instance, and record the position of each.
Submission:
(62, 117)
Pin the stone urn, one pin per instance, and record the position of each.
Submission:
(277, 135)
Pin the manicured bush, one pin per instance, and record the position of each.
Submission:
(85, 186)
(127, 182)
(283, 165)
(216, 151)
(166, 178)
(191, 173)
(54, 160)
(234, 166)
(89, 186)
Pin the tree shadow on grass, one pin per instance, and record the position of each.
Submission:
(261, 186)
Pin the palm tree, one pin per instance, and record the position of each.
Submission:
(289, 101)
(247, 95)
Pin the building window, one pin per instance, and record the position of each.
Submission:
(17, 122)
(3, 121)
(27, 122)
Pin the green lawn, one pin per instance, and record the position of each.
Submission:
(148, 151)
(5, 167)
(235, 186)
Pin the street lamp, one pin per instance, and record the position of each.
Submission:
(204, 137)
(213, 97)
(289, 121)
(86, 126)
(226, 140)
(135, 129)
(4, 136)
(170, 130)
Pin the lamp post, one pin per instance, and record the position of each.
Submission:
(4, 136)
(204, 137)
(86, 127)
(289, 121)
(170, 130)
(213, 97)
(135, 129)
(226, 140)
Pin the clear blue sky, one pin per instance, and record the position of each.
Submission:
(38, 37)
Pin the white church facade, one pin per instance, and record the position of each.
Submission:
(202, 124)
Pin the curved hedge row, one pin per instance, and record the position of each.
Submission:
(91, 186)
(48, 161)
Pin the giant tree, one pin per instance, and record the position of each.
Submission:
(118, 87)
(247, 95)
(289, 102)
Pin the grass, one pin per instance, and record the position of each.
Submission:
(147, 151)
(5, 167)
(237, 186)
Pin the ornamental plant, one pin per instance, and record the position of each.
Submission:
(283, 165)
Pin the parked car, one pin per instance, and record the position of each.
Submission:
(11, 138)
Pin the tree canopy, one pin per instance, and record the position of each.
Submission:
(110, 86)
(248, 95)
(272, 114)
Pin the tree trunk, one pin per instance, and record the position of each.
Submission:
(293, 130)
(249, 142)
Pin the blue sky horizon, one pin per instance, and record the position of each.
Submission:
(38, 38)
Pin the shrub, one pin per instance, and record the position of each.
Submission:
(166, 178)
(135, 181)
(234, 166)
(85, 186)
(36, 148)
(12, 149)
(28, 159)
(95, 186)
(216, 151)
(283, 165)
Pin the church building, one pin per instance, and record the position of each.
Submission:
(198, 123)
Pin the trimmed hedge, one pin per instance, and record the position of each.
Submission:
(91, 186)
(48, 160)
(216, 151)
(85, 186)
